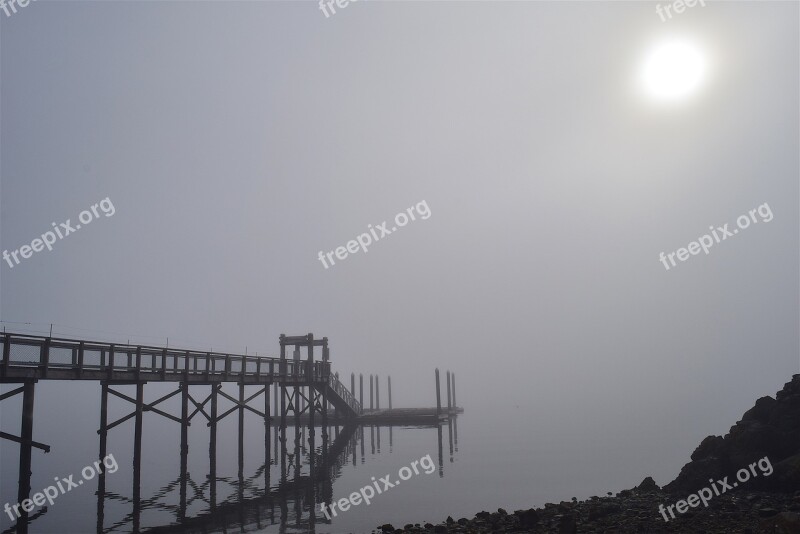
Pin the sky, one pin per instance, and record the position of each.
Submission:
(238, 140)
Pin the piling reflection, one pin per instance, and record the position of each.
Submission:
(302, 464)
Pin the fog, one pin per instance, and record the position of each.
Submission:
(238, 140)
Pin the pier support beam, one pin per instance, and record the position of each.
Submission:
(377, 392)
(390, 392)
(449, 404)
(184, 448)
(25, 446)
(241, 429)
(267, 430)
(212, 448)
(101, 480)
(438, 395)
(137, 456)
(453, 378)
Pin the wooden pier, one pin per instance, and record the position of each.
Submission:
(304, 392)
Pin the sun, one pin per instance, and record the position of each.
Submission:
(673, 70)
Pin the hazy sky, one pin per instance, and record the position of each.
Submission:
(236, 140)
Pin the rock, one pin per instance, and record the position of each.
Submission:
(449, 520)
(761, 411)
(767, 512)
(783, 523)
(386, 528)
(567, 525)
(602, 510)
(710, 447)
(501, 511)
(527, 518)
(771, 429)
(647, 485)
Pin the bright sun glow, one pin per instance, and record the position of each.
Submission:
(673, 70)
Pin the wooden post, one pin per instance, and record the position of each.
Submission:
(101, 481)
(310, 400)
(449, 404)
(267, 428)
(6, 355)
(377, 393)
(275, 400)
(241, 427)
(111, 362)
(212, 448)
(44, 357)
(325, 371)
(80, 359)
(361, 391)
(137, 456)
(390, 398)
(353, 384)
(184, 440)
(370, 392)
(453, 378)
(438, 397)
(26, 435)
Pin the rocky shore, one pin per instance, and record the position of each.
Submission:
(769, 503)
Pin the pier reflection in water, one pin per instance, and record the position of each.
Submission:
(284, 494)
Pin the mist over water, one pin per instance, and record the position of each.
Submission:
(239, 140)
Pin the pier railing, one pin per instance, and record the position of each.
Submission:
(68, 359)
(344, 393)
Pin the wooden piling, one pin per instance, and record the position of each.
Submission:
(212, 448)
(438, 395)
(449, 404)
(267, 427)
(241, 429)
(184, 445)
(26, 436)
(390, 392)
(137, 456)
(453, 378)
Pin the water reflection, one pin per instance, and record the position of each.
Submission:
(302, 463)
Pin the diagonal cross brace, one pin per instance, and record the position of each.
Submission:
(238, 404)
(200, 407)
(147, 407)
(11, 437)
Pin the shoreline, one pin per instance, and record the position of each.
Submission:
(768, 433)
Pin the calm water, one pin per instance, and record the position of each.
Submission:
(486, 459)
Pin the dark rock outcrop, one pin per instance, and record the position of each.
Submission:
(769, 429)
(765, 504)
